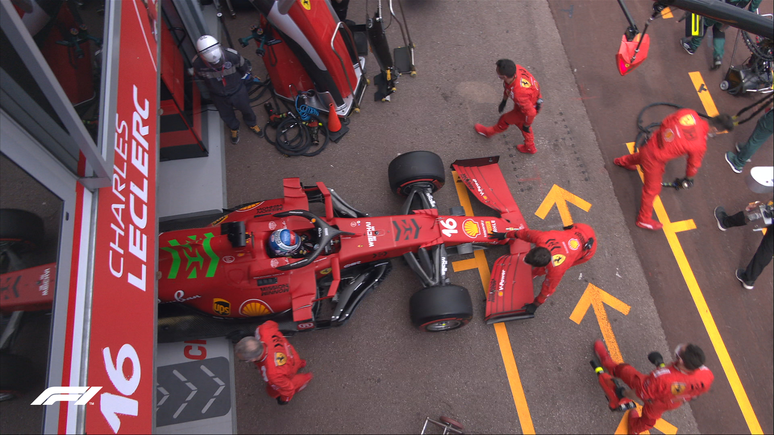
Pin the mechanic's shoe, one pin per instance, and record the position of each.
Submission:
(720, 216)
(716, 62)
(685, 43)
(524, 149)
(746, 284)
(619, 162)
(604, 357)
(257, 130)
(633, 415)
(734, 168)
(649, 224)
(235, 136)
(739, 151)
(480, 129)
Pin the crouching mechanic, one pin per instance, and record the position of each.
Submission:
(681, 133)
(553, 254)
(665, 388)
(277, 359)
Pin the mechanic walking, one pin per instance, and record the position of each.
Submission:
(744, 152)
(681, 133)
(690, 44)
(553, 254)
(224, 74)
(277, 359)
(665, 388)
(763, 254)
(524, 90)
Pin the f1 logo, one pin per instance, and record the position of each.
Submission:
(81, 395)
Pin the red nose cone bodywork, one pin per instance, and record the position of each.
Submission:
(626, 53)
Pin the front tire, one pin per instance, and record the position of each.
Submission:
(441, 308)
(415, 167)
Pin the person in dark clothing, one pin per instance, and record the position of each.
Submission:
(763, 254)
(223, 73)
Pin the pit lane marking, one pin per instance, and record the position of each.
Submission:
(511, 370)
(670, 231)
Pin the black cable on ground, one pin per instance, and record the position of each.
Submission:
(645, 131)
(757, 111)
(300, 143)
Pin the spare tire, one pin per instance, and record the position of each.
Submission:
(414, 167)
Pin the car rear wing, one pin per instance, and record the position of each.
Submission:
(510, 286)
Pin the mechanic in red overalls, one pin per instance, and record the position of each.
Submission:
(553, 254)
(665, 388)
(681, 133)
(524, 90)
(277, 359)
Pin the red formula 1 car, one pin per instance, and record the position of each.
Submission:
(228, 271)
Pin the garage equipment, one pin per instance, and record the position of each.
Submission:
(448, 425)
(755, 73)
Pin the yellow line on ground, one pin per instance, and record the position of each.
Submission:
(511, 370)
(704, 94)
(670, 230)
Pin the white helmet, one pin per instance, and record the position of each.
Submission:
(209, 49)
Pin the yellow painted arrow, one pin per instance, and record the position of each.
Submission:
(561, 197)
(595, 297)
(661, 424)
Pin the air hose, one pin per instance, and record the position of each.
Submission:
(299, 144)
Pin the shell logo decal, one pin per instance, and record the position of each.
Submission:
(471, 229)
(574, 244)
(687, 120)
(525, 83)
(558, 259)
(255, 308)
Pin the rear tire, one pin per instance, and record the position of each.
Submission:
(21, 228)
(413, 167)
(15, 374)
(441, 308)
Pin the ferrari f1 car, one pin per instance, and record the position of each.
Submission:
(229, 270)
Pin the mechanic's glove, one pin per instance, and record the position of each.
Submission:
(501, 107)
(525, 127)
(530, 308)
(656, 359)
(686, 183)
(498, 236)
(282, 402)
(539, 104)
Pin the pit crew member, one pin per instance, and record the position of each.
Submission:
(524, 90)
(277, 359)
(665, 388)
(681, 133)
(223, 73)
(553, 254)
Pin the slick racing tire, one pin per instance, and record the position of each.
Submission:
(441, 308)
(416, 167)
(21, 229)
(15, 375)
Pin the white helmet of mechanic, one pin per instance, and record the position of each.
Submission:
(209, 49)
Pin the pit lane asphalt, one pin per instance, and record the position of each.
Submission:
(377, 374)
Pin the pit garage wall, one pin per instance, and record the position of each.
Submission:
(123, 307)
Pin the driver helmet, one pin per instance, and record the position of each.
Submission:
(284, 242)
(209, 49)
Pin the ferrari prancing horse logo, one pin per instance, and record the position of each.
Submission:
(280, 359)
(307, 4)
(558, 259)
(525, 83)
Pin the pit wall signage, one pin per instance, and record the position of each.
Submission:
(123, 320)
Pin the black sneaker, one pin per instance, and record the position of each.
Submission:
(746, 284)
(731, 164)
(235, 136)
(720, 216)
(685, 43)
(716, 62)
(257, 130)
(738, 151)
